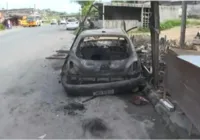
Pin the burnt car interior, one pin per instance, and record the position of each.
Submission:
(103, 48)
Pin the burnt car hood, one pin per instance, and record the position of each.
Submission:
(104, 67)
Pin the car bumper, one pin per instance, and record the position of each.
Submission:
(72, 27)
(104, 88)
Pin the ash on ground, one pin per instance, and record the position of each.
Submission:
(96, 127)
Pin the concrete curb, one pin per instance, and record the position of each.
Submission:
(177, 122)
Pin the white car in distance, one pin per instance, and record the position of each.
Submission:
(63, 22)
(72, 24)
(54, 22)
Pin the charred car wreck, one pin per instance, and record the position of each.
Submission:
(101, 62)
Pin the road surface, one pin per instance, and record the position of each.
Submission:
(33, 103)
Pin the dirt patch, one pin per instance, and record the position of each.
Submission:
(174, 33)
(95, 126)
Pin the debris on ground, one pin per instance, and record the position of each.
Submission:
(55, 57)
(62, 51)
(139, 100)
(88, 99)
(96, 126)
(60, 54)
(143, 47)
(72, 108)
(167, 104)
(43, 136)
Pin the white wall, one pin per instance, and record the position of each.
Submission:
(169, 12)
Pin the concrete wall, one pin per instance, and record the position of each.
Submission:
(169, 12)
(194, 10)
(115, 16)
(118, 23)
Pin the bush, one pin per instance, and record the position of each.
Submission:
(2, 27)
(170, 24)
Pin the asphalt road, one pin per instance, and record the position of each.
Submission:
(33, 102)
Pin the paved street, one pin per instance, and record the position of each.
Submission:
(33, 102)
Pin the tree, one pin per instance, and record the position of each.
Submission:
(85, 5)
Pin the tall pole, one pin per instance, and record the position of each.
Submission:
(155, 31)
(183, 23)
(7, 8)
(103, 15)
(6, 5)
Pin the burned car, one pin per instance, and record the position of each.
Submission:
(101, 62)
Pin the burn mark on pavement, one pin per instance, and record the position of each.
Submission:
(95, 126)
(72, 109)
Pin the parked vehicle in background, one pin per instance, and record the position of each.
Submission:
(54, 22)
(100, 62)
(72, 24)
(63, 22)
(34, 20)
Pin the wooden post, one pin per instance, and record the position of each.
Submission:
(183, 23)
(142, 16)
(103, 16)
(155, 31)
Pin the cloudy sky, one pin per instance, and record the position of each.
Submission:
(58, 5)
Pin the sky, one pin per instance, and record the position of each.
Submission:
(57, 5)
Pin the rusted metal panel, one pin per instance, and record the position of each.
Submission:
(182, 81)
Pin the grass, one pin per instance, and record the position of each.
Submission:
(2, 27)
(170, 24)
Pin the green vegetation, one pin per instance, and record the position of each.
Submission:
(85, 5)
(2, 27)
(171, 24)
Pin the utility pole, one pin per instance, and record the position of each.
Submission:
(103, 16)
(6, 5)
(183, 23)
(34, 9)
(7, 8)
(155, 31)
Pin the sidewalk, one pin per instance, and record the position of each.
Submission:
(15, 28)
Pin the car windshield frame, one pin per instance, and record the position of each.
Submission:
(110, 38)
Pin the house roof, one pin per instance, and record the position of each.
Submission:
(120, 4)
(145, 4)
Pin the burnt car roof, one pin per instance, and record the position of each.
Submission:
(112, 31)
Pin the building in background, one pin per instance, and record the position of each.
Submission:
(1, 17)
(136, 13)
(16, 15)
